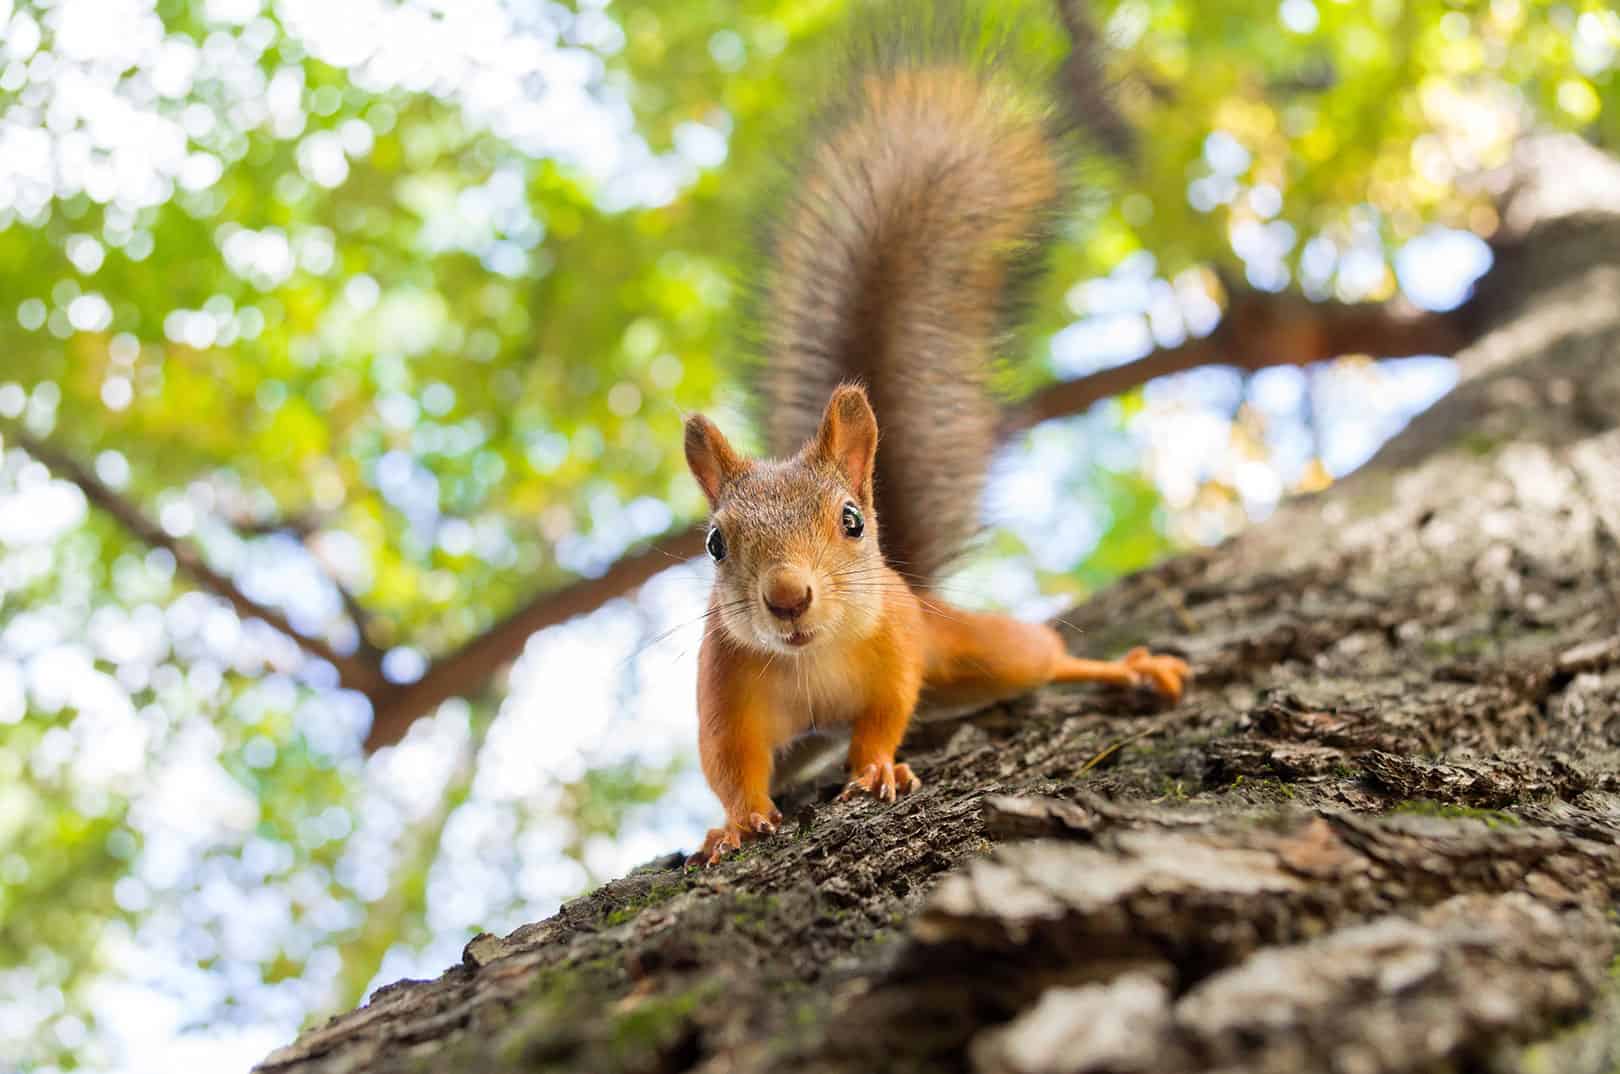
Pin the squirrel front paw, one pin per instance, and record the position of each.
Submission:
(721, 841)
(883, 780)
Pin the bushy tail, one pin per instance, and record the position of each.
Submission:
(921, 205)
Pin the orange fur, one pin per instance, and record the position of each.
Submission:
(919, 644)
(871, 644)
(924, 201)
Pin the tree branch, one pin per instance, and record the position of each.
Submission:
(304, 528)
(301, 526)
(357, 612)
(1257, 331)
(463, 671)
(1084, 84)
(354, 671)
(1260, 330)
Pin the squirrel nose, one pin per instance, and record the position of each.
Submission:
(787, 593)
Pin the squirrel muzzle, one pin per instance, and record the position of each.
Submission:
(787, 592)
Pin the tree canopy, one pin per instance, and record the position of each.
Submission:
(384, 316)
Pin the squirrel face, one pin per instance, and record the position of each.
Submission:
(795, 544)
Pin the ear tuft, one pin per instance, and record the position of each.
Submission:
(848, 438)
(711, 458)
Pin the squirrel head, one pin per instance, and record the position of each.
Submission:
(795, 541)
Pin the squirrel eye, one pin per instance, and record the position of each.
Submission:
(716, 544)
(854, 524)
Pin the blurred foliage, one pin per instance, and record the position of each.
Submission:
(598, 802)
(413, 296)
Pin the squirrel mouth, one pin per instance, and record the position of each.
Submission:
(799, 638)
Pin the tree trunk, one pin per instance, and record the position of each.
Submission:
(1379, 835)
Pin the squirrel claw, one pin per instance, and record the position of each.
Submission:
(1167, 675)
(884, 781)
(715, 845)
(721, 841)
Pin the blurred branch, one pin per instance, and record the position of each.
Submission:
(1315, 76)
(465, 670)
(359, 616)
(303, 527)
(355, 671)
(1260, 330)
(357, 612)
(1084, 83)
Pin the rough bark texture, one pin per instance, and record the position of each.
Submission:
(1379, 835)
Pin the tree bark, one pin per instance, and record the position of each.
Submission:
(1379, 835)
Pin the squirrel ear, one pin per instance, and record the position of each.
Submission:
(848, 437)
(710, 456)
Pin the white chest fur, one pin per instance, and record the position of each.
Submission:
(812, 692)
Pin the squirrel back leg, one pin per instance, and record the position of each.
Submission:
(1139, 667)
(979, 657)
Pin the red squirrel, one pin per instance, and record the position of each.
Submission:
(924, 200)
